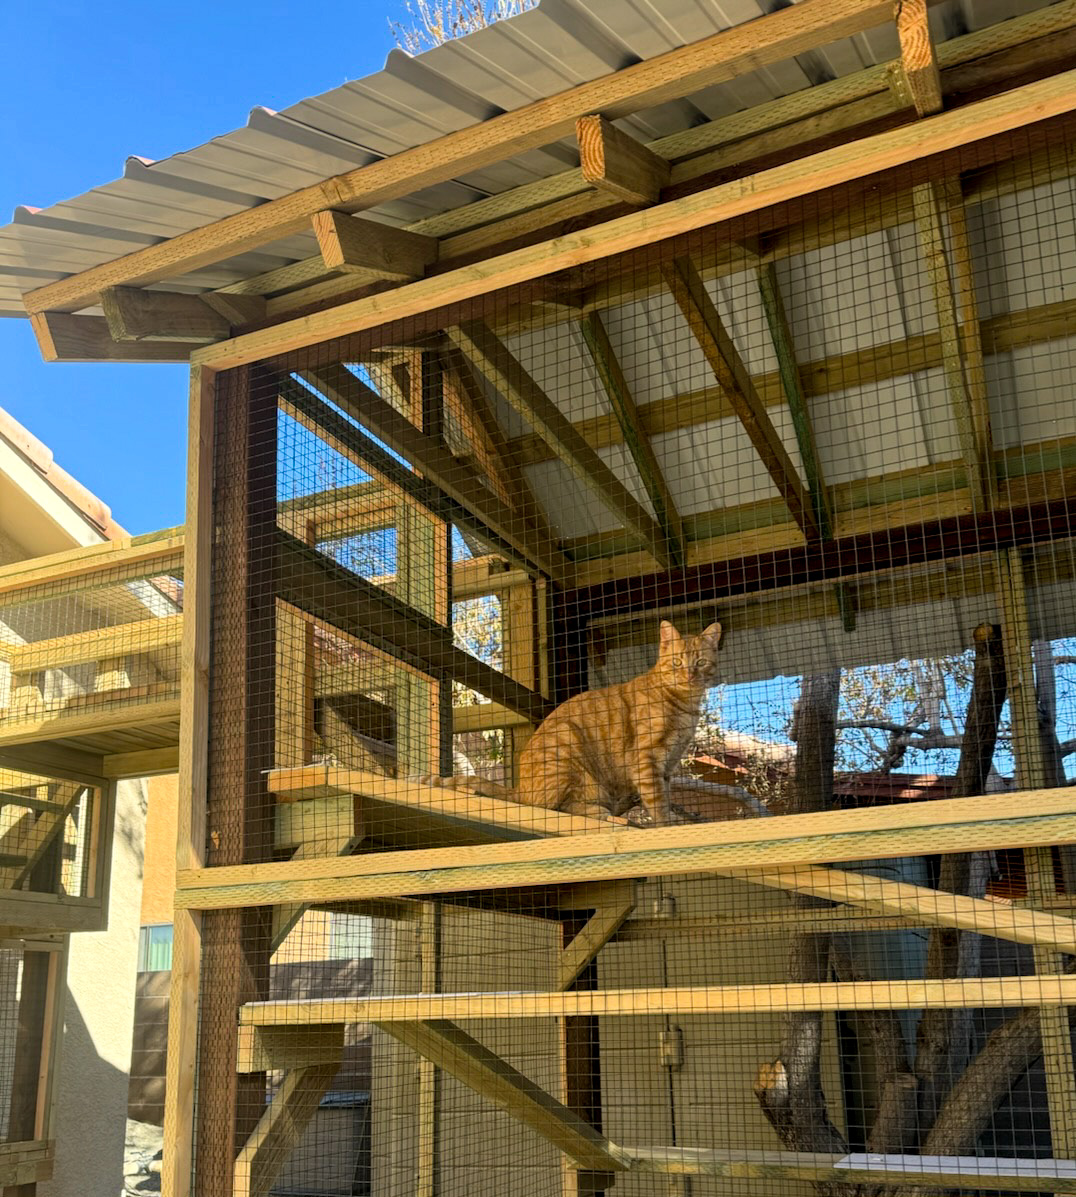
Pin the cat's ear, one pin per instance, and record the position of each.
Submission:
(712, 635)
(669, 635)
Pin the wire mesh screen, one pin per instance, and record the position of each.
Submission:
(78, 649)
(49, 839)
(757, 543)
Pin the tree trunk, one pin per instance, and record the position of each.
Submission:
(789, 1089)
(943, 1039)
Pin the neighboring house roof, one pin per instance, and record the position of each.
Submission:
(413, 101)
(43, 509)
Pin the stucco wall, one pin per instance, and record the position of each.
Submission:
(96, 1050)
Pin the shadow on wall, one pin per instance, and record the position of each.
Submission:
(89, 1132)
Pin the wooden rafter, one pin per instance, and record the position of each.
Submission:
(136, 315)
(492, 358)
(616, 163)
(313, 583)
(823, 376)
(636, 440)
(945, 132)
(937, 204)
(958, 327)
(792, 385)
(773, 38)
(372, 250)
(698, 310)
(450, 490)
(65, 338)
(918, 74)
(983, 57)
(464, 389)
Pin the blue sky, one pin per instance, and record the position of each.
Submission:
(85, 87)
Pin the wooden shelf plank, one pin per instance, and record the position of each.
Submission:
(960, 993)
(142, 636)
(1027, 818)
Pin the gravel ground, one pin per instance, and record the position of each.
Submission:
(142, 1159)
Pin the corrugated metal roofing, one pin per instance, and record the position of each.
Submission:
(408, 103)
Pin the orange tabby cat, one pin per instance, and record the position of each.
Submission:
(618, 746)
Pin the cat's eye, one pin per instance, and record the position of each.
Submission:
(678, 661)
(701, 661)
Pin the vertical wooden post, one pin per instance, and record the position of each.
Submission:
(191, 815)
(519, 625)
(580, 1086)
(427, 1178)
(1031, 773)
(235, 944)
(433, 421)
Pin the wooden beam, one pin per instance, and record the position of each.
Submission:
(432, 459)
(1030, 818)
(792, 385)
(464, 390)
(603, 924)
(453, 1050)
(938, 204)
(484, 514)
(724, 359)
(53, 760)
(642, 453)
(615, 162)
(280, 1128)
(372, 250)
(918, 61)
(266, 1049)
(145, 762)
(984, 57)
(314, 583)
(142, 636)
(123, 712)
(669, 76)
(65, 338)
(184, 989)
(976, 993)
(136, 315)
(930, 1172)
(927, 906)
(238, 310)
(947, 131)
(492, 358)
(823, 376)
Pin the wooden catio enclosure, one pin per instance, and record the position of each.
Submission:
(791, 349)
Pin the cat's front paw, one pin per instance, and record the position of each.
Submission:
(639, 816)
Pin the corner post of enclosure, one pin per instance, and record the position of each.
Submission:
(191, 828)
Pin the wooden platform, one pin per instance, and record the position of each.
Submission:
(409, 814)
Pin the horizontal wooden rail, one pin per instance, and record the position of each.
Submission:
(120, 713)
(1022, 819)
(141, 636)
(938, 1172)
(316, 584)
(157, 551)
(970, 993)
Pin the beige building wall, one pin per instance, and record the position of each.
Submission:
(95, 1056)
